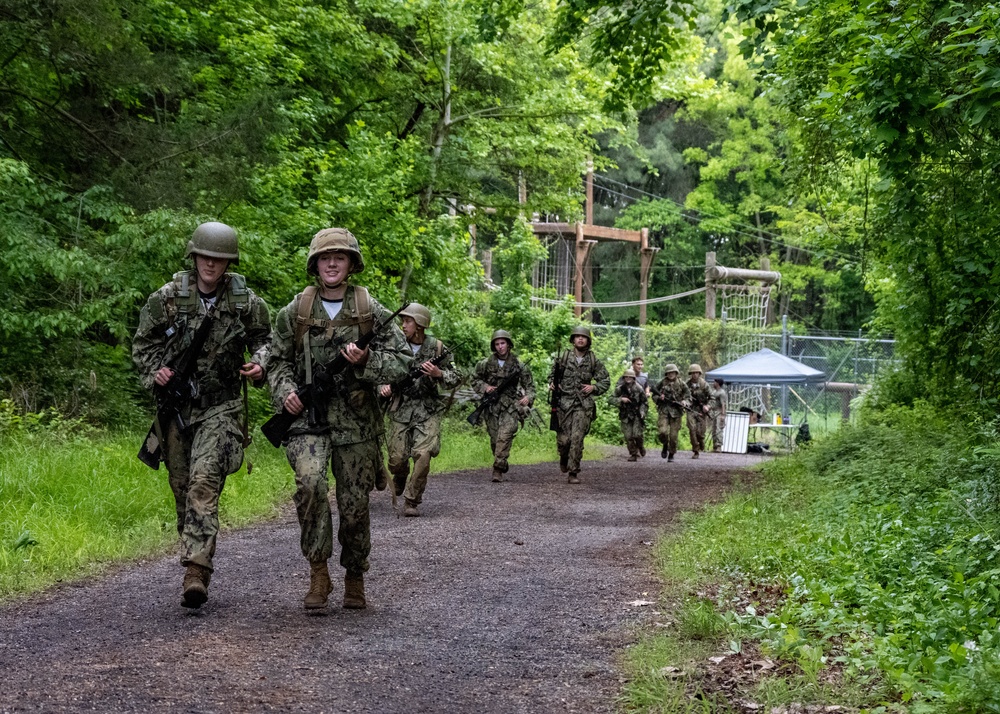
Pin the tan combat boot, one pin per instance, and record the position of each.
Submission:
(196, 579)
(354, 592)
(573, 477)
(410, 510)
(319, 586)
(497, 475)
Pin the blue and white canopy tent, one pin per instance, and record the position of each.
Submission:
(767, 367)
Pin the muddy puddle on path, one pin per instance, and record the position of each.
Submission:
(510, 597)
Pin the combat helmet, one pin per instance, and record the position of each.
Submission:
(420, 314)
(628, 373)
(670, 368)
(329, 240)
(501, 335)
(695, 368)
(581, 330)
(215, 240)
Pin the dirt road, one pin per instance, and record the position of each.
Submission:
(509, 597)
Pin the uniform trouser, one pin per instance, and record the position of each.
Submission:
(718, 422)
(632, 429)
(354, 467)
(419, 440)
(668, 427)
(198, 460)
(697, 424)
(574, 425)
(501, 427)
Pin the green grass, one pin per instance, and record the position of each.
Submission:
(71, 507)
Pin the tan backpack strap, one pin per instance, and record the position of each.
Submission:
(439, 348)
(363, 308)
(304, 315)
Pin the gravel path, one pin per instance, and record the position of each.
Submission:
(509, 597)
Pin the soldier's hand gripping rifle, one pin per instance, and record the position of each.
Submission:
(493, 397)
(315, 396)
(173, 396)
(407, 383)
(663, 399)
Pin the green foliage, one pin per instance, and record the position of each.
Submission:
(883, 537)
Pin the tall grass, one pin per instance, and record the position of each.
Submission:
(69, 507)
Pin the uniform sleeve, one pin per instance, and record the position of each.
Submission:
(450, 376)
(280, 356)
(602, 381)
(259, 335)
(614, 399)
(527, 382)
(150, 341)
(479, 377)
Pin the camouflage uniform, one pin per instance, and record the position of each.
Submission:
(575, 409)
(504, 417)
(631, 415)
(210, 447)
(415, 422)
(717, 414)
(667, 395)
(697, 418)
(349, 440)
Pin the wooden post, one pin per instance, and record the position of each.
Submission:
(710, 286)
(646, 257)
(578, 277)
(769, 319)
(472, 241)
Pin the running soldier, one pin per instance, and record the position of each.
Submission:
(204, 443)
(325, 320)
(697, 417)
(504, 417)
(415, 408)
(642, 379)
(630, 399)
(671, 397)
(577, 376)
(717, 412)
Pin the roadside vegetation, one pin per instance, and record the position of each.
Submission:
(75, 500)
(862, 572)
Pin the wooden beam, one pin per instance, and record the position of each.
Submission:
(589, 188)
(589, 232)
(709, 286)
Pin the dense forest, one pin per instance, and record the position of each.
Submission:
(854, 150)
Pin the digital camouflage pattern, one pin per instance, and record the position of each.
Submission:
(415, 421)
(668, 395)
(504, 417)
(348, 443)
(717, 405)
(576, 410)
(697, 418)
(200, 457)
(631, 416)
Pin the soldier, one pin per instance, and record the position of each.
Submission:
(630, 399)
(717, 411)
(697, 417)
(415, 409)
(503, 418)
(324, 320)
(205, 444)
(578, 376)
(671, 397)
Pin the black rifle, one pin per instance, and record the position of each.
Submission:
(172, 397)
(556, 393)
(493, 397)
(662, 399)
(325, 381)
(410, 380)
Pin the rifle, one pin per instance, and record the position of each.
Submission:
(493, 397)
(409, 381)
(172, 397)
(554, 396)
(317, 393)
(662, 399)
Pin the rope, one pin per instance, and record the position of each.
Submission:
(627, 303)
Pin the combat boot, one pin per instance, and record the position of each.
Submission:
(196, 579)
(319, 586)
(497, 475)
(670, 457)
(410, 509)
(663, 452)
(642, 449)
(573, 477)
(694, 455)
(564, 462)
(354, 591)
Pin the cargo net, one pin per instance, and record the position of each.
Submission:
(744, 314)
